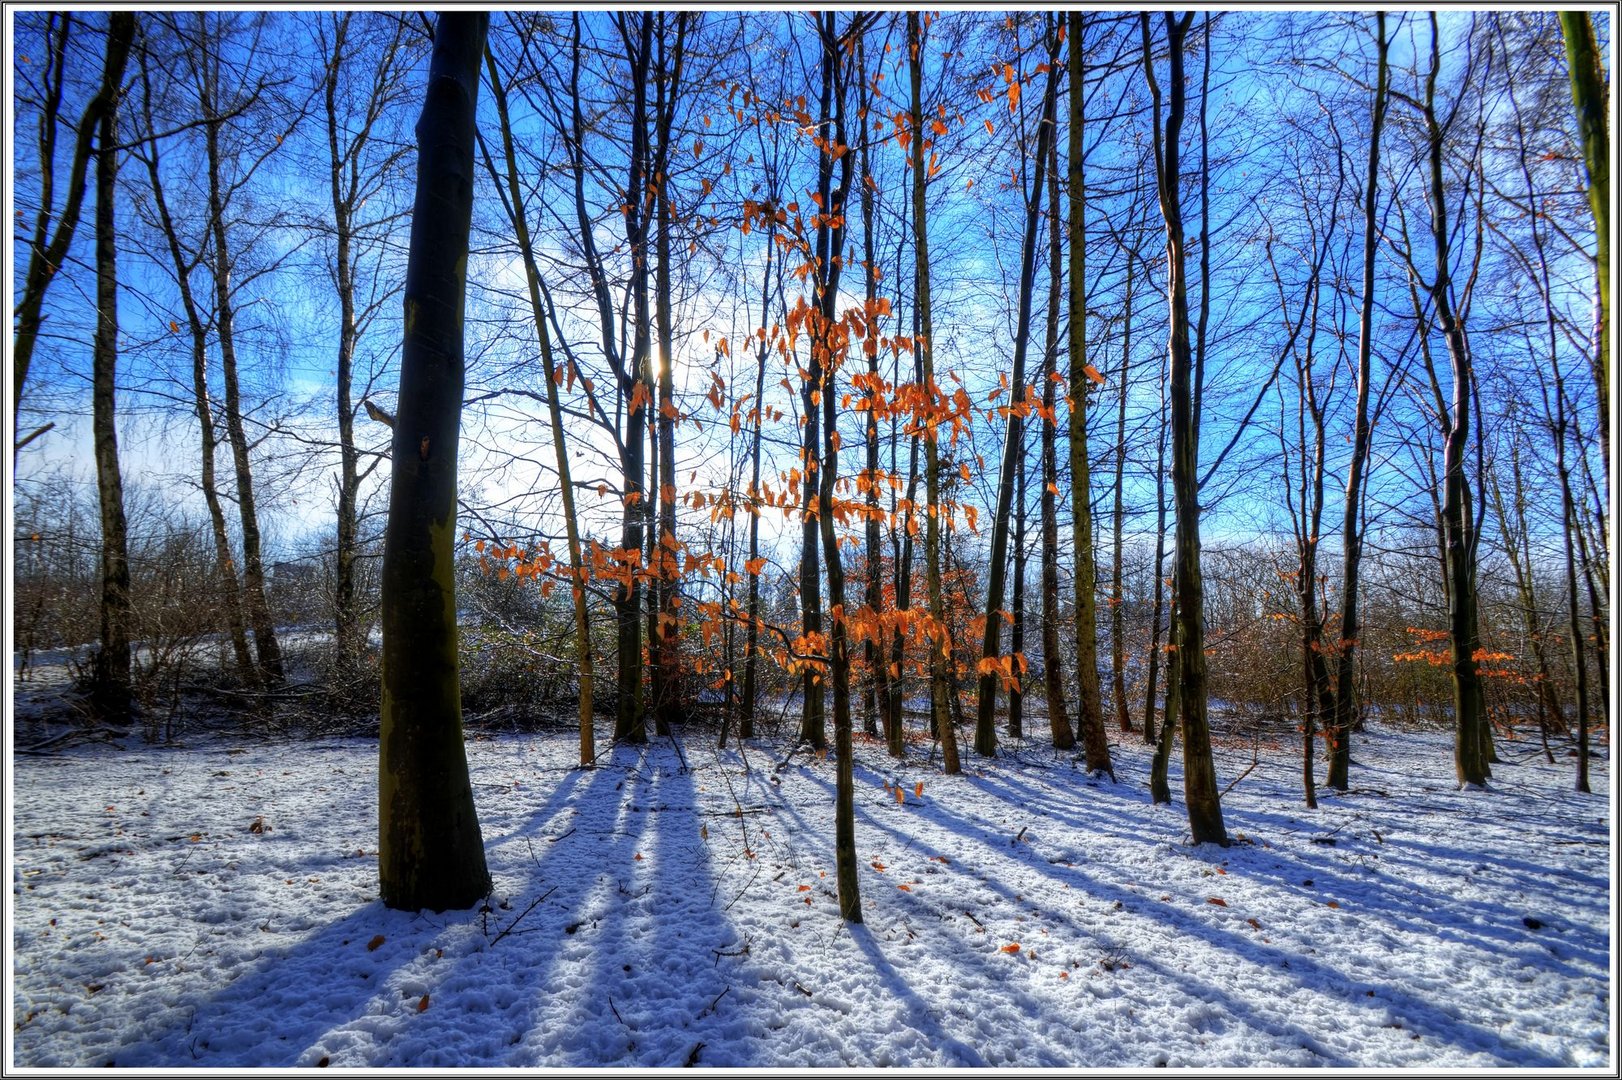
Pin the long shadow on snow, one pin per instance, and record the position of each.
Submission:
(1490, 933)
(918, 901)
(923, 1019)
(647, 979)
(1420, 1015)
(246, 1023)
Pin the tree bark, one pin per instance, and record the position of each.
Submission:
(985, 731)
(257, 605)
(431, 852)
(1590, 95)
(1199, 772)
(1090, 703)
(1052, 658)
(1346, 706)
(196, 325)
(45, 257)
(940, 641)
(518, 216)
(1117, 600)
(111, 694)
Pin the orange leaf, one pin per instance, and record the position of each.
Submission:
(1092, 373)
(637, 857)
(804, 888)
(905, 888)
(918, 789)
(878, 866)
(422, 1006)
(1011, 948)
(1064, 974)
(174, 327)
(900, 797)
(1218, 901)
(963, 469)
(372, 946)
(991, 129)
(1333, 904)
(1254, 924)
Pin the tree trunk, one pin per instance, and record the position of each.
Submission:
(1090, 703)
(635, 387)
(1199, 773)
(257, 605)
(667, 666)
(1052, 657)
(196, 325)
(1345, 700)
(940, 639)
(1016, 631)
(1159, 578)
(45, 257)
(431, 853)
(1117, 602)
(878, 688)
(518, 217)
(830, 245)
(1590, 96)
(111, 692)
(1459, 547)
(985, 731)
(751, 645)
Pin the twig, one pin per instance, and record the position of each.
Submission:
(533, 905)
(1236, 779)
(711, 1008)
(616, 1012)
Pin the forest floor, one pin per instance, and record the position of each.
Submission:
(214, 905)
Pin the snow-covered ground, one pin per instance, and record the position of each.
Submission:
(215, 906)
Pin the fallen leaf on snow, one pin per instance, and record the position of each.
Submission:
(375, 943)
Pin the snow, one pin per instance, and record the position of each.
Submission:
(215, 906)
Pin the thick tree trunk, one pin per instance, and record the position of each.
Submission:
(431, 853)
(111, 693)
(1590, 96)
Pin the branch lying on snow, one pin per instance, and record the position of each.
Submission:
(513, 925)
